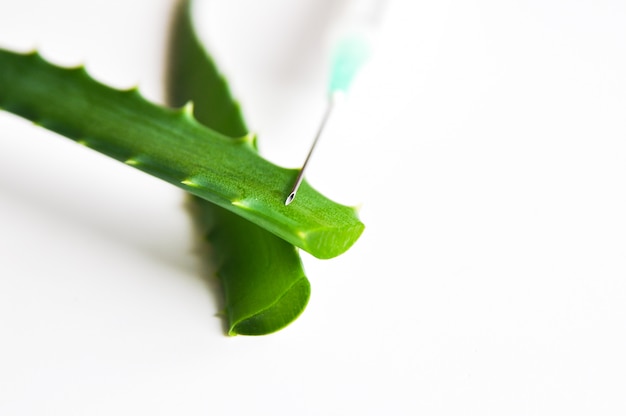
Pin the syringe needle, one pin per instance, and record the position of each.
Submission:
(350, 54)
(296, 185)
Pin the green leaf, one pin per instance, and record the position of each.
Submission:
(265, 287)
(172, 145)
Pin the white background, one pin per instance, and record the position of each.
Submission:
(486, 141)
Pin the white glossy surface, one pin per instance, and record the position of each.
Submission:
(487, 143)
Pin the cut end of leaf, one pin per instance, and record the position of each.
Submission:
(325, 245)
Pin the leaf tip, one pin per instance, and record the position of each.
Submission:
(132, 161)
(248, 139)
(187, 109)
(134, 90)
(241, 203)
(191, 182)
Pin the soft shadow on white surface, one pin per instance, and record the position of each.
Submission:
(486, 143)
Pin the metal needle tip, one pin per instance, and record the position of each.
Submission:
(300, 177)
(290, 198)
(296, 185)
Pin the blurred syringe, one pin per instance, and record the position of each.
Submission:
(350, 53)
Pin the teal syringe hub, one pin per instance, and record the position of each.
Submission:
(350, 54)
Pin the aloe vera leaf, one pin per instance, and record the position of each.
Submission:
(170, 144)
(264, 284)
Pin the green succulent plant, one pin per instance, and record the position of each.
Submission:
(205, 149)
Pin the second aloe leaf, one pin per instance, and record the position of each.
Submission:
(264, 284)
